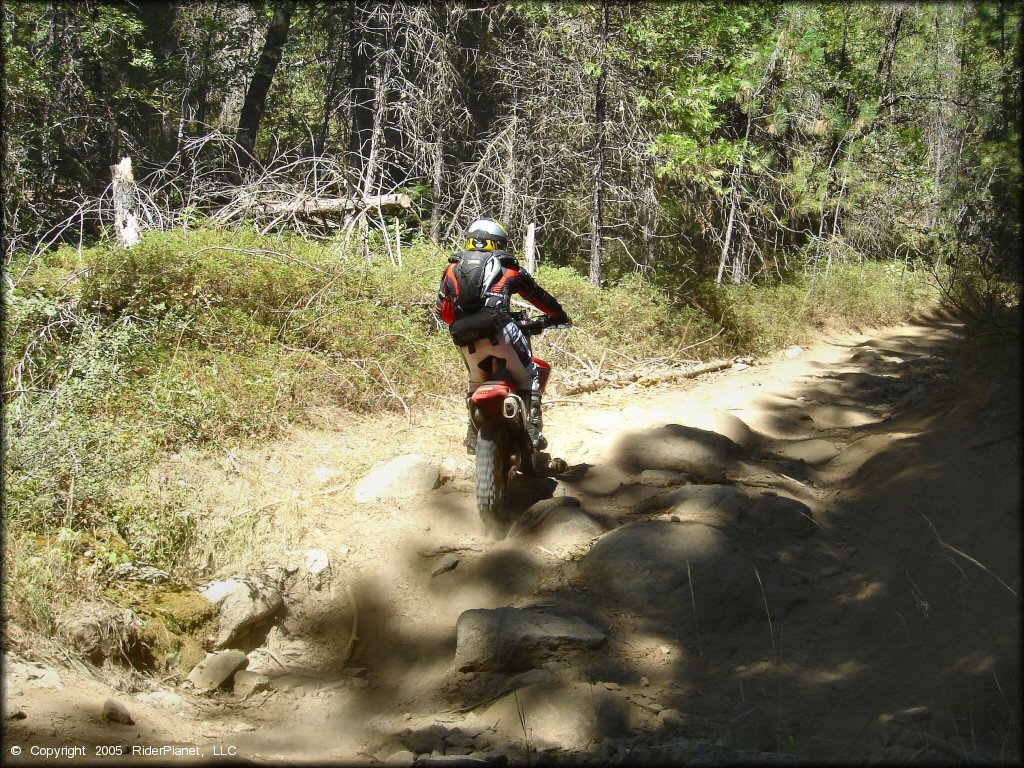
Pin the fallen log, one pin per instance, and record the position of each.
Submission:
(326, 206)
(643, 378)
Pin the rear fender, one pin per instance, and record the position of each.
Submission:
(489, 398)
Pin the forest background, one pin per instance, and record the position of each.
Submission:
(706, 178)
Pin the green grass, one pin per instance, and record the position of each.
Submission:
(761, 319)
(207, 337)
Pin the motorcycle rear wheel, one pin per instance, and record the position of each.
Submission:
(492, 473)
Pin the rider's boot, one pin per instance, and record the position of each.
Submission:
(470, 439)
(534, 423)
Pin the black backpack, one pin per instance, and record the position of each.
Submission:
(469, 273)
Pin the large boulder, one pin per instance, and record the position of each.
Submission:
(723, 506)
(719, 505)
(513, 639)
(406, 476)
(668, 572)
(725, 424)
(559, 525)
(564, 715)
(243, 604)
(677, 448)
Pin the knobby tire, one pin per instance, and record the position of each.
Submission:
(491, 473)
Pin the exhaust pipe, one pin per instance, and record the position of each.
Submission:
(512, 407)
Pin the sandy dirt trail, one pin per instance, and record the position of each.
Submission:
(891, 623)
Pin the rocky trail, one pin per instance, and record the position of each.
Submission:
(815, 557)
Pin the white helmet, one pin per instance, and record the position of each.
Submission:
(486, 235)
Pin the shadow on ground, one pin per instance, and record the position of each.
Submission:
(835, 577)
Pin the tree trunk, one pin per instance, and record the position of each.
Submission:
(438, 180)
(884, 70)
(728, 237)
(361, 94)
(259, 86)
(597, 224)
(529, 248)
(938, 101)
(1004, 73)
(331, 91)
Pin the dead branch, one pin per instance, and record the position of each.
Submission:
(642, 377)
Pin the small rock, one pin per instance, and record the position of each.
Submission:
(242, 727)
(655, 707)
(644, 682)
(793, 351)
(217, 669)
(461, 751)
(288, 682)
(671, 718)
(44, 677)
(511, 639)
(12, 711)
(421, 742)
(456, 469)
(458, 740)
(912, 715)
(665, 649)
(613, 686)
(401, 757)
(116, 712)
(317, 561)
(830, 570)
(402, 477)
(247, 683)
(447, 563)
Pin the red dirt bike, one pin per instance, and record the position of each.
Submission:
(503, 446)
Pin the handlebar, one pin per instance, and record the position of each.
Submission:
(534, 326)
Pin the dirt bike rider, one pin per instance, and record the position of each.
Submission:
(473, 300)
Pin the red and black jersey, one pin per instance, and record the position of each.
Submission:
(503, 279)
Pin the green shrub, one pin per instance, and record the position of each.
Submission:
(759, 319)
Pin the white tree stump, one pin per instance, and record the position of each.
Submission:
(529, 247)
(126, 220)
